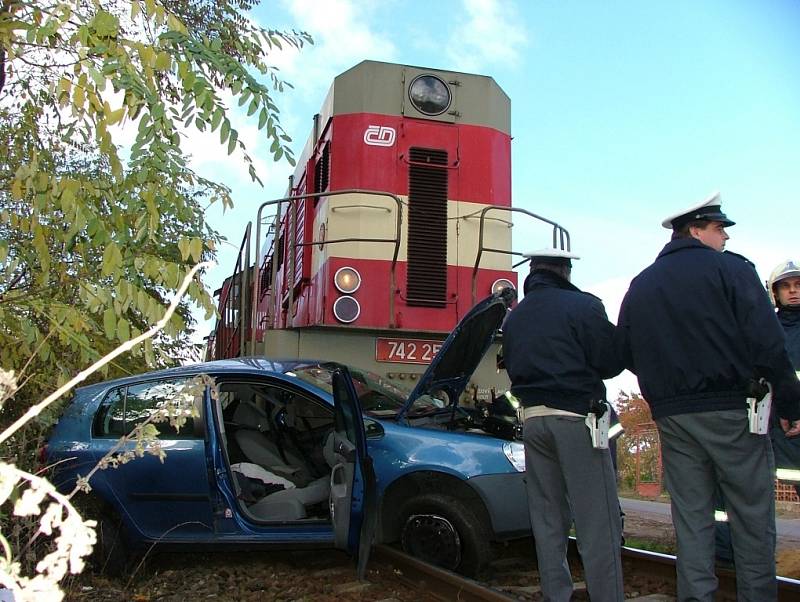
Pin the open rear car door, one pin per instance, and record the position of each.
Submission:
(352, 497)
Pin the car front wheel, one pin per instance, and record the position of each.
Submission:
(444, 531)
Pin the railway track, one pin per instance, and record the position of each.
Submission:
(646, 574)
(330, 576)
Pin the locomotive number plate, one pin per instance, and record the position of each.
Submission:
(406, 351)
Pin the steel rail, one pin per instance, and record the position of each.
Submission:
(436, 582)
(441, 584)
(663, 566)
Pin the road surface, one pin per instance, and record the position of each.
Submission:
(788, 528)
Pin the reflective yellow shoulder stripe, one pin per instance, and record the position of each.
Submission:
(720, 516)
(512, 398)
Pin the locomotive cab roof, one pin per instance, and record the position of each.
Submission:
(385, 89)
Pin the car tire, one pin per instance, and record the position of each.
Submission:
(110, 555)
(445, 531)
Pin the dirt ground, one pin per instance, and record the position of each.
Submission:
(322, 576)
(299, 576)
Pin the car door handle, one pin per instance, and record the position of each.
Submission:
(349, 454)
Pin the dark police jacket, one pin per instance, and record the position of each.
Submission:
(558, 345)
(696, 326)
(790, 320)
(787, 450)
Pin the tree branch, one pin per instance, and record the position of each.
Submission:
(127, 346)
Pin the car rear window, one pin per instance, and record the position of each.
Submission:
(126, 407)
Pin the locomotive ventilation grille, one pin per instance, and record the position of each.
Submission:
(426, 280)
(322, 170)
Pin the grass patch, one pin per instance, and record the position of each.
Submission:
(649, 545)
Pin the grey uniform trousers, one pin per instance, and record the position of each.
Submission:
(699, 451)
(567, 479)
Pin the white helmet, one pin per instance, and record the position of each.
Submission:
(787, 269)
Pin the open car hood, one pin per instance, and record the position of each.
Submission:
(461, 352)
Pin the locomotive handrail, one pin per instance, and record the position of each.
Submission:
(475, 215)
(228, 296)
(386, 209)
(560, 234)
(291, 229)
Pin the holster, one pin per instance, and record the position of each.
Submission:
(759, 405)
(597, 421)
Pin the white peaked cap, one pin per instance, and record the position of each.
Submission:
(709, 210)
(550, 254)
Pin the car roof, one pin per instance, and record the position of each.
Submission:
(239, 365)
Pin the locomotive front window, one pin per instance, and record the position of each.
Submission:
(429, 95)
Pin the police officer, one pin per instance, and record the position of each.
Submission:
(784, 288)
(697, 328)
(558, 346)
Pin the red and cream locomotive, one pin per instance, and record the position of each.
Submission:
(396, 222)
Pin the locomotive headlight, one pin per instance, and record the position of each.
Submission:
(346, 309)
(347, 280)
(429, 95)
(500, 284)
(515, 452)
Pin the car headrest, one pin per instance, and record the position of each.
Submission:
(249, 415)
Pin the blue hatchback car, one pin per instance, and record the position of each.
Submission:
(306, 453)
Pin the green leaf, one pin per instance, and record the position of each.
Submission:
(183, 246)
(196, 249)
(105, 24)
(216, 119)
(116, 116)
(232, 141)
(109, 323)
(123, 330)
(223, 133)
(112, 259)
(246, 94)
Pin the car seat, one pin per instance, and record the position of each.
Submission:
(253, 437)
(292, 504)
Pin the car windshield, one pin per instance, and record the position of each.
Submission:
(378, 397)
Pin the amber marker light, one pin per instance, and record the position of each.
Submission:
(347, 280)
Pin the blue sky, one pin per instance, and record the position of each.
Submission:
(623, 112)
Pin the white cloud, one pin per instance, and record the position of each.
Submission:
(209, 156)
(343, 37)
(492, 33)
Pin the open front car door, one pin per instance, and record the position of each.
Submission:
(352, 497)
